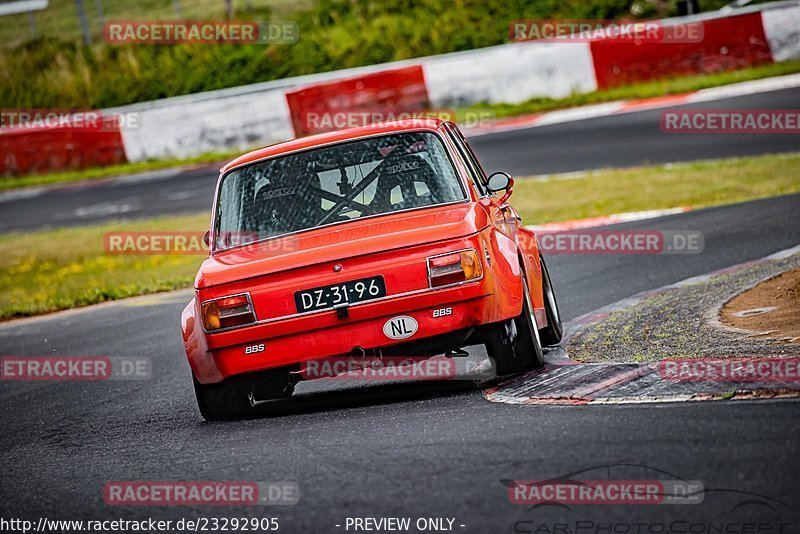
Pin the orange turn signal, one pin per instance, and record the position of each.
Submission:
(226, 312)
(453, 268)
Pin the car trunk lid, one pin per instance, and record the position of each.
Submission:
(340, 241)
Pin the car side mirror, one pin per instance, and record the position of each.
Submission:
(500, 181)
(207, 238)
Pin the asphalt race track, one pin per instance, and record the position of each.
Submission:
(419, 450)
(630, 139)
(616, 141)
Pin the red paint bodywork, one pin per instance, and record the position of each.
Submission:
(394, 245)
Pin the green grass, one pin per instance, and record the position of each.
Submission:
(51, 270)
(694, 185)
(60, 19)
(657, 88)
(99, 173)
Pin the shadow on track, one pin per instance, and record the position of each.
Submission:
(360, 396)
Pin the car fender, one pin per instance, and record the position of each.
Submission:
(529, 255)
(512, 258)
(507, 274)
(201, 360)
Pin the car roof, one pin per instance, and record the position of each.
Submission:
(326, 138)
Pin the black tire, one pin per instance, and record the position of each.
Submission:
(554, 331)
(514, 345)
(232, 398)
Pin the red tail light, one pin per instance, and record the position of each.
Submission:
(454, 268)
(225, 312)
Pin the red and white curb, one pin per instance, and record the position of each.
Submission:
(593, 222)
(629, 106)
(634, 383)
(565, 381)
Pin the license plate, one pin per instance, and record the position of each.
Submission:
(321, 298)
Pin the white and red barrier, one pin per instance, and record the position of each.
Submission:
(48, 148)
(187, 126)
(728, 43)
(782, 28)
(322, 106)
(242, 117)
(512, 73)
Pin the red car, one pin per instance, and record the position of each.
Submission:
(387, 239)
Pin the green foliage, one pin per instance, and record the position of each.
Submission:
(334, 34)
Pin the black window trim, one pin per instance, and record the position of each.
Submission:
(469, 160)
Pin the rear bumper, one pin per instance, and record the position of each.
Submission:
(216, 357)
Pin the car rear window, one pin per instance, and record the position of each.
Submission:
(334, 184)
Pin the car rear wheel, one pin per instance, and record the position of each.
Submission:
(554, 331)
(514, 345)
(232, 398)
